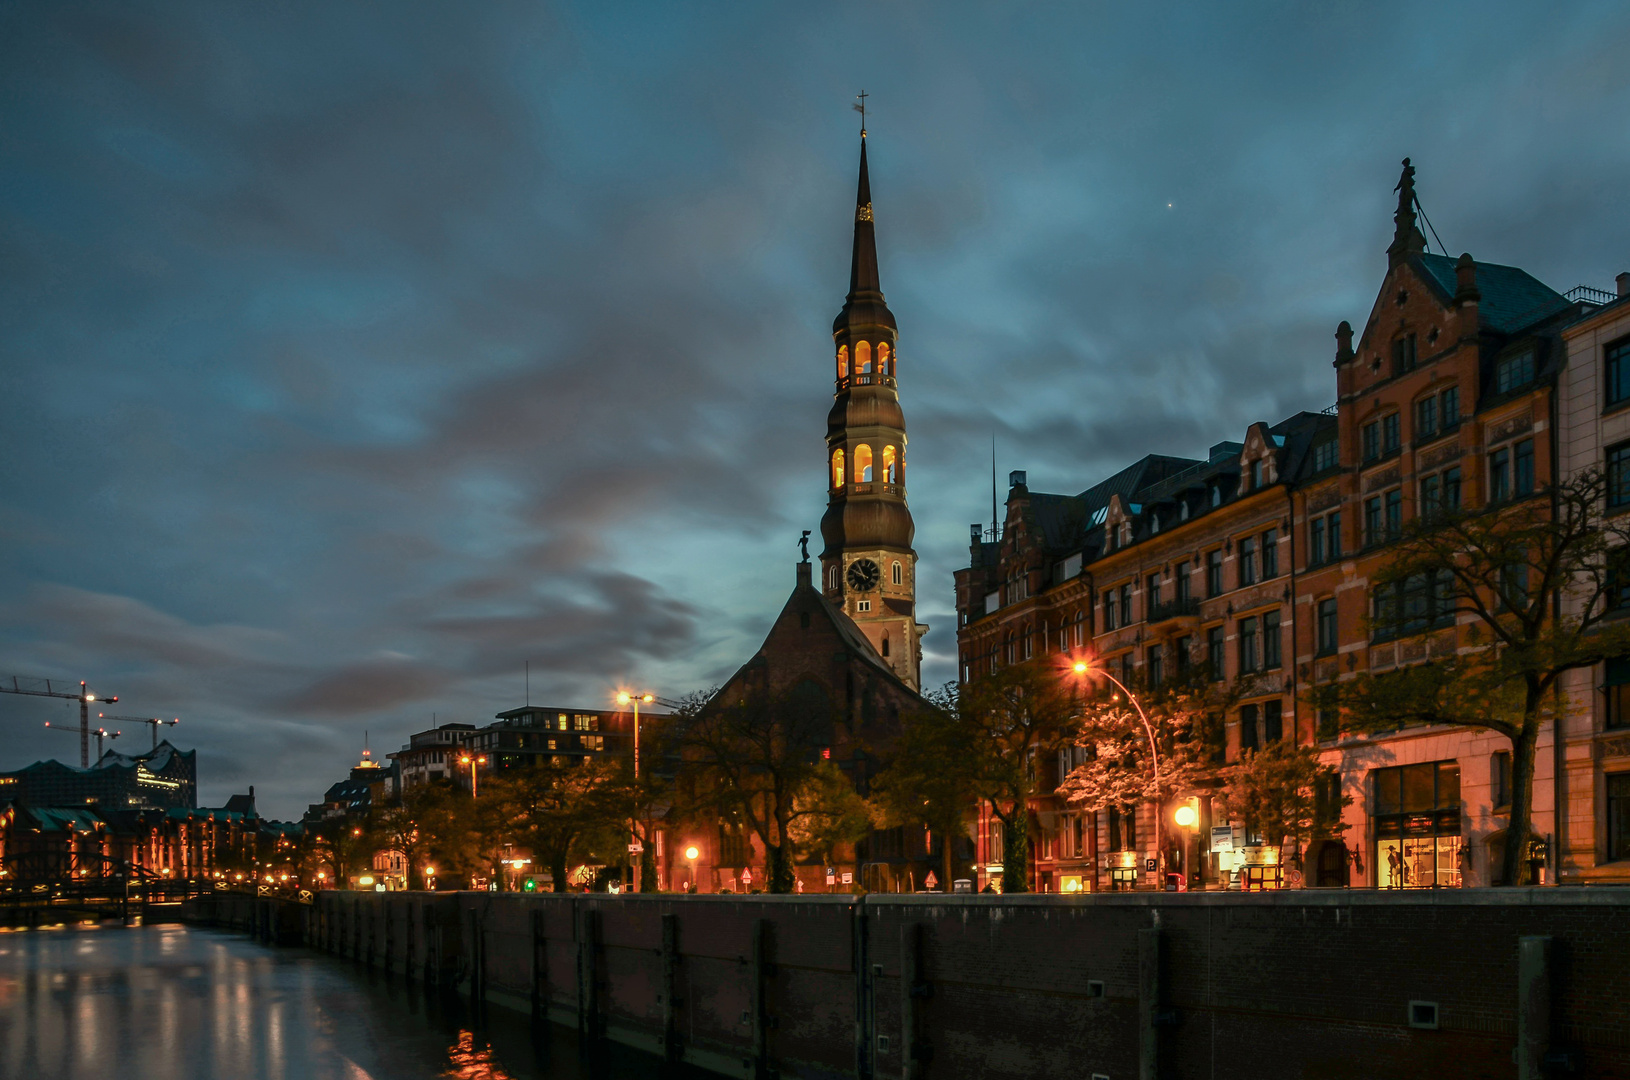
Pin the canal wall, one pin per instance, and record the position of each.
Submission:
(1466, 983)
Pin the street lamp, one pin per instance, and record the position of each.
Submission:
(472, 762)
(1186, 817)
(691, 853)
(1083, 668)
(625, 698)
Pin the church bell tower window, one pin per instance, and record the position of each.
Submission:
(837, 468)
(843, 362)
(863, 464)
(889, 469)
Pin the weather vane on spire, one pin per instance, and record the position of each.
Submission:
(861, 109)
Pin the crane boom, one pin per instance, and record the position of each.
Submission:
(58, 689)
(155, 721)
(100, 733)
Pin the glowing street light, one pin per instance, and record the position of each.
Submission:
(691, 853)
(626, 698)
(1081, 667)
(472, 762)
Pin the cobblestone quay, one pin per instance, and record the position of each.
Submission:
(1503, 983)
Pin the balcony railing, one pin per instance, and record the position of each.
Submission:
(1173, 609)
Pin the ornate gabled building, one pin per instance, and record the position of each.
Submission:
(868, 567)
(1257, 561)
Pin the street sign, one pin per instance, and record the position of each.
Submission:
(848, 878)
(747, 876)
(930, 881)
(1149, 865)
(1222, 838)
(635, 848)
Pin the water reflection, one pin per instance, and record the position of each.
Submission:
(190, 1004)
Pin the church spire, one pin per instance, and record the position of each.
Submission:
(864, 306)
(1407, 240)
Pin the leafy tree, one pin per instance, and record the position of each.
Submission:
(932, 777)
(1274, 793)
(1536, 583)
(555, 806)
(1015, 718)
(757, 760)
(1125, 766)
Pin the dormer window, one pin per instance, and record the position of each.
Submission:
(1216, 496)
(1514, 372)
(1154, 524)
(1182, 511)
(1256, 474)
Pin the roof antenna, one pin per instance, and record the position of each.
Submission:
(995, 527)
(861, 109)
(529, 682)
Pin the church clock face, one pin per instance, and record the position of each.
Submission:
(864, 575)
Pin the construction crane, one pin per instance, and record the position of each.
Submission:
(153, 720)
(100, 733)
(54, 688)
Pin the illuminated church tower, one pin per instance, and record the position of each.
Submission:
(868, 567)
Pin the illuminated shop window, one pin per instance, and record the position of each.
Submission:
(1417, 825)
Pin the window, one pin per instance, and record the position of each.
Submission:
(1403, 355)
(1500, 475)
(843, 363)
(1324, 455)
(1335, 535)
(1617, 688)
(1216, 496)
(1270, 554)
(1449, 407)
(1182, 653)
(883, 359)
(863, 605)
(1151, 594)
(1500, 779)
(837, 468)
(1618, 476)
(1248, 658)
(1522, 468)
(1440, 493)
(1616, 590)
(1109, 610)
(1215, 652)
(1389, 433)
(863, 463)
(897, 574)
(1618, 816)
(1214, 559)
(1123, 830)
(1315, 542)
(1247, 561)
(1327, 626)
(1182, 582)
(1247, 728)
(1273, 721)
(1617, 362)
(832, 578)
(891, 473)
(1126, 604)
(1027, 643)
(1152, 665)
(1270, 641)
(1417, 825)
(1372, 440)
(1256, 474)
(1426, 417)
(863, 358)
(1395, 513)
(1422, 602)
(1514, 372)
(1372, 520)
(1127, 665)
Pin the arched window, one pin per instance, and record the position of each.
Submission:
(863, 358)
(837, 468)
(883, 359)
(863, 464)
(832, 578)
(843, 362)
(1080, 628)
(899, 576)
(885, 644)
(890, 472)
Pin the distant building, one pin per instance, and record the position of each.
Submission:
(430, 755)
(162, 777)
(522, 738)
(368, 785)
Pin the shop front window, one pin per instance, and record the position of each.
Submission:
(1417, 826)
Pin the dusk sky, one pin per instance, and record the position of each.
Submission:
(354, 356)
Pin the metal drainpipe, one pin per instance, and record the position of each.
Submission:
(1559, 724)
(1295, 696)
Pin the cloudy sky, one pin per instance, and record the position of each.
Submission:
(353, 356)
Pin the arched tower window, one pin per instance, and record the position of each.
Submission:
(837, 468)
(885, 644)
(883, 359)
(832, 578)
(863, 358)
(863, 464)
(890, 472)
(899, 576)
(843, 362)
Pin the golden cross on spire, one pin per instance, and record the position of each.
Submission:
(861, 109)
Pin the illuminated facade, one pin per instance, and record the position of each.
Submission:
(162, 777)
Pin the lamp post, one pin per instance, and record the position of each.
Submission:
(472, 762)
(625, 698)
(1083, 668)
(691, 853)
(1186, 817)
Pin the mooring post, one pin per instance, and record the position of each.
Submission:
(912, 988)
(672, 1050)
(588, 975)
(863, 1012)
(540, 972)
(1148, 1003)
(759, 994)
(1533, 1006)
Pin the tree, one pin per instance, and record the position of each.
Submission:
(757, 760)
(1537, 584)
(1152, 747)
(1274, 793)
(931, 779)
(556, 805)
(1016, 718)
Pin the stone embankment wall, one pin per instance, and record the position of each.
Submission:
(1475, 983)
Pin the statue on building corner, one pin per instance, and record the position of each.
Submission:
(803, 545)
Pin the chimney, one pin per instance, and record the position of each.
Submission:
(1466, 294)
(1344, 343)
(1624, 283)
(251, 791)
(1015, 478)
(803, 573)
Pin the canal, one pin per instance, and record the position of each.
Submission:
(111, 1002)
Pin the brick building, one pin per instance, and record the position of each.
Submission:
(1256, 561)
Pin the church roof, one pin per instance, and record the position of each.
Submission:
(864, 306)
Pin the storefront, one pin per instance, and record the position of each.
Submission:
(1416, 825)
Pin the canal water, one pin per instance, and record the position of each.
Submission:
(111, 1002)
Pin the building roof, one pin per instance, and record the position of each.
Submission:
(1510, 299)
